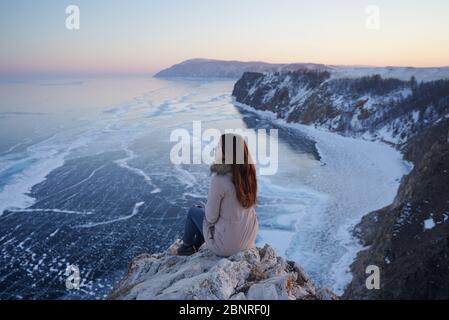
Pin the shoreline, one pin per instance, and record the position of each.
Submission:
(337, 156)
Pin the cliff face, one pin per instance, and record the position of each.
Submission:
(408, 240)
(257, 273)
(370, 107)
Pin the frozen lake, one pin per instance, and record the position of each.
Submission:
(86, 179)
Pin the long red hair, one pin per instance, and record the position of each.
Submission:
(243, 168)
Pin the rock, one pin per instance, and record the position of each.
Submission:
(301, 293)
(413, 260)
(371, 107)
(326, 294)
(172, 250)
(238, 296)
(275, 288)
(261, 291)
(257, 273)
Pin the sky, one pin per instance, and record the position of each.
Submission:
(144, 36)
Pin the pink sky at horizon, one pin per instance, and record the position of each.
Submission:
(147, 36)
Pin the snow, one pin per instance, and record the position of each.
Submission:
(301, 95)
(429, 224)
(124, 163)
(40, 159)
(208, 68)
(342, 185)
(133, 213)
(355, 166)
(48, 210)
(268, 96)
(386, 135)
(355, 123)
(402, 73)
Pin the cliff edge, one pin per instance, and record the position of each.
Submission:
(408, 240)
(255, 274)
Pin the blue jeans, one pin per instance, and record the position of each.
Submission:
(193, 231)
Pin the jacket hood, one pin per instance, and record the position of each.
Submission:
(220, 169)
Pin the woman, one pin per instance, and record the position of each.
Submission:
(228, 223)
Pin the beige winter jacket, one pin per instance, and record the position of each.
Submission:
(228, 227)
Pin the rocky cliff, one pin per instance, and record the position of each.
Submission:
(408, 240)
(371, 107)
(257, 273)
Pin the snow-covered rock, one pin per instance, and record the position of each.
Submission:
(371, 107)
(257, 273)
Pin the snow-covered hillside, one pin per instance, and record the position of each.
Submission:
(401, 73)
(209, 68)
(408, 239)
(371, 107)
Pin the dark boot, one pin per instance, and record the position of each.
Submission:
(185, 250)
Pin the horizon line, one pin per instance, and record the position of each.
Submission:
(111, 73)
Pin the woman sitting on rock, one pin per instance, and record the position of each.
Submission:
(228, 222)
